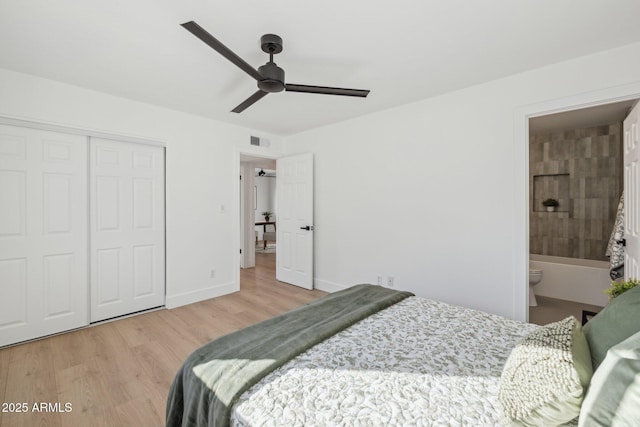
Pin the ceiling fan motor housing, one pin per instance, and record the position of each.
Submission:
(273, 78)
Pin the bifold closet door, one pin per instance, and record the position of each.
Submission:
(127, 228)
(43, 233)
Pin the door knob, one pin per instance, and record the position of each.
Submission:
(307, 227)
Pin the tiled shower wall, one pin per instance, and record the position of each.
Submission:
(582, 169)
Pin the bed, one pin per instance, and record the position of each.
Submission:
(375, 356)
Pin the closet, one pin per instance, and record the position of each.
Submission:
(81, 230)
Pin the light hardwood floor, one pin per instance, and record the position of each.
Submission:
(118, 373)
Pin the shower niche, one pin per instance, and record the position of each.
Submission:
(552, 186)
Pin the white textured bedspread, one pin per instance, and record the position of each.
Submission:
(416, 363)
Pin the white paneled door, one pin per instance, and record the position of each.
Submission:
(127, 228)
(43, 233)
(294, 189)
(632, 188)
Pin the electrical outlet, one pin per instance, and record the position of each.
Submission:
(212, 274)
(390, 281)
(379, 280)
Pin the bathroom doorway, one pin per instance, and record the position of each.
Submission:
(575, 183)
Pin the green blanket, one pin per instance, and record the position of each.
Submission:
(214, 376)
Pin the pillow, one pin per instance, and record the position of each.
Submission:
(615, 323)
(544, 379)
(613, 398)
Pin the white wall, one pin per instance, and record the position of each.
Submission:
(202, 169)
(434, 193)
(266, 187)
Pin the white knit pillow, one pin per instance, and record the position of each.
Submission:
(544, 379)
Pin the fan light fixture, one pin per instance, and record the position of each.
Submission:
(270, 77)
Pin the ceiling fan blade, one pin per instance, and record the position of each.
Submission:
(250, 101)
(217, 45)
(326, 90)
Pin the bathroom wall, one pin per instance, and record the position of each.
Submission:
(582, 169)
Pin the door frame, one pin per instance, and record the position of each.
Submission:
(247, 180)
(630, 152)
(54, 127)
(238, 214)
(520, 301)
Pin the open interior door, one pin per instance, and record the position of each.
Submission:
(632, 188)
(294, 189)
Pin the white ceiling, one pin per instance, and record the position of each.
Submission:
(403, 51)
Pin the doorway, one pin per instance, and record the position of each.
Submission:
(575, 161)
(257, 230)
(265, 210)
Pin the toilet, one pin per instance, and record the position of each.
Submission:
(535, 276)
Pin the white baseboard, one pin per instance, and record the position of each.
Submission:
(326, 286)
(173, 301)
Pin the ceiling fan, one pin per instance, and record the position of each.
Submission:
(270, 77)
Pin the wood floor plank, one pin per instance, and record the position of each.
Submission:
(139, 412)
(133, 331)
(4, 373)
(158, 362)
(31, 380)
(156, 392)
(86, 389)
(69, 349)
(118, 373)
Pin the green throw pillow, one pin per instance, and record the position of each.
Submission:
(544, 379)
(616, 322)
(613, 399)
